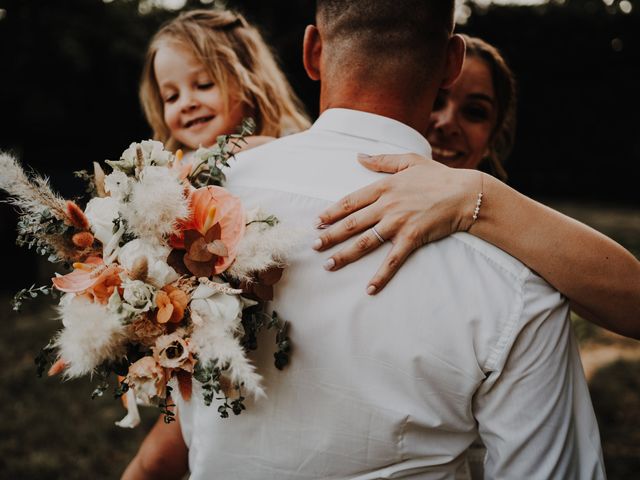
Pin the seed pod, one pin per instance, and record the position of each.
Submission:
(82, 239)
(76, 217)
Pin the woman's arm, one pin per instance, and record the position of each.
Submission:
(426, 201)
(162, 455)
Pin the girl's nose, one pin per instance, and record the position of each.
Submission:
(189, 102)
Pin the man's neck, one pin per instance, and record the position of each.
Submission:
(413, 112)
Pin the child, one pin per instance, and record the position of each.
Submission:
(204, 72)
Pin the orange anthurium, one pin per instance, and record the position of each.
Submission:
(92, 277)
(171, 302)
(215, 227)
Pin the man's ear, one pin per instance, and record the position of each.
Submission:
(311, 52)
(454, 60)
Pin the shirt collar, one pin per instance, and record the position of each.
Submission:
(373, 127)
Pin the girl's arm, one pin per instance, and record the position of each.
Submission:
(162, 455)
(427, 201)
(252, 142)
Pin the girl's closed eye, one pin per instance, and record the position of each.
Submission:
(205, 85)
(170, 98)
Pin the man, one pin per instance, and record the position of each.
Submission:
(465, 341)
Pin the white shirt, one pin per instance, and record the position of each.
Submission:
(464, 340)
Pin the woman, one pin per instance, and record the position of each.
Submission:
(472, 124)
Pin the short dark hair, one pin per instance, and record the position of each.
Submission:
(399, 32)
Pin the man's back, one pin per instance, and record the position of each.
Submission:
(465, 339)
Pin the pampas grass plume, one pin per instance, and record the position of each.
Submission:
(262, 248)
(91, 335)
(157, 202)
(30, 195)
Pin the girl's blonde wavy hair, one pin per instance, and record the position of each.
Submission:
(238, 62)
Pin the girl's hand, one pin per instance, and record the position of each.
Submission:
(424, 201)
(252, 142)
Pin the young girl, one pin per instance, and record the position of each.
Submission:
(204, 72)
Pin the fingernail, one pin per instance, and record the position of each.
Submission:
(320, 225)
(363, 156)
(317, 244)
(329, 264)
(371, 289)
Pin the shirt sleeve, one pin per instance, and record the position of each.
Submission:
(534, 411)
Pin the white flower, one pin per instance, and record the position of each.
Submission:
(216, 335)
(153, 153)
(159, 273)
(101, 213)
(220, 308)
(118, 184)
(139, 295)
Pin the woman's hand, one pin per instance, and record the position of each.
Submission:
(423, 202)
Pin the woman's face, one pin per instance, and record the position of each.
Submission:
(464, 117)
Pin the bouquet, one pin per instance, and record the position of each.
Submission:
(170, 276)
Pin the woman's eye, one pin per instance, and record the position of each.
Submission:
(476, 113)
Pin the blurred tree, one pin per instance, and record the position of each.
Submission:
(68, 93)
(577, 66)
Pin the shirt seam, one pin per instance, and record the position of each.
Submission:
(423, 150)
(507, 332)
(506, 337)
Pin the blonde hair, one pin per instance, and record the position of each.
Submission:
(238, 61)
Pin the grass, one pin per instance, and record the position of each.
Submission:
(54, 431)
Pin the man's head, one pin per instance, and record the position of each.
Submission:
(384, 50)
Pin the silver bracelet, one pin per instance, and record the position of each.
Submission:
(476, 211)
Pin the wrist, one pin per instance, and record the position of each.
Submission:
(471, 199)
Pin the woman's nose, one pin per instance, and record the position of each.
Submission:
(446, 120)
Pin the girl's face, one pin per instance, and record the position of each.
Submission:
(464, 117)
(193, 106)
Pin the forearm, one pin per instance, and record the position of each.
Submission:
(599, 276)
(162, 455)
